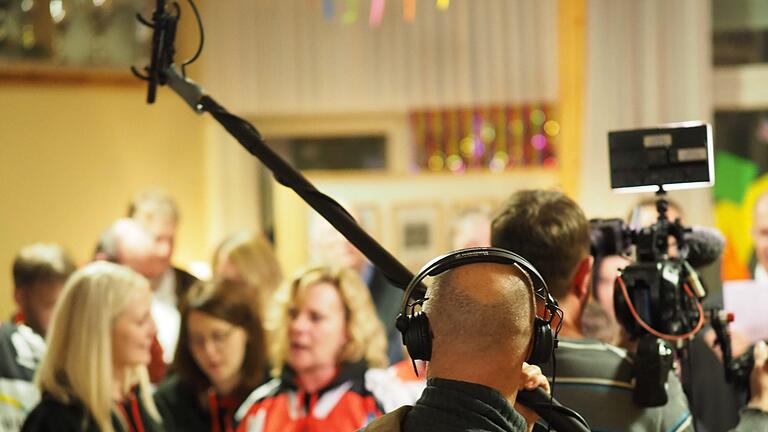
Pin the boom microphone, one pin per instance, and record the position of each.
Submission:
(153, 71)
(705, 245)
(561, 418)
(163, 26)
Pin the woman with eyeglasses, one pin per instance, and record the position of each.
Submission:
(327, 338)
(219, 360)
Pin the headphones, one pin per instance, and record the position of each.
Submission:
(417, 335)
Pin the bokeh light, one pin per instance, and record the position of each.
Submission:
(455, 163)
(537, 117)
(436, 162)
(551, 128)
(539, 142)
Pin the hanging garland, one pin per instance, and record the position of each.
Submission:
(493, 138)
(351, 7)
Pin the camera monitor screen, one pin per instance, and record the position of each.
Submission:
(675, 156)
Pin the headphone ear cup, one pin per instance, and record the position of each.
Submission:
(543, 342)
(418, 337)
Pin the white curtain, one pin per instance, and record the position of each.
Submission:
(648, 62)
(285, 57)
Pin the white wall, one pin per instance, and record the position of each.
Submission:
(648, 63)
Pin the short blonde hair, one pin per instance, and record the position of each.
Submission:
(366, 338)
(78, 362)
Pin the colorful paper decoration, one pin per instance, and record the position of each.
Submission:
(409, 10)
(350, 12)
(376, 15)
(328, 9)
(377, 12)
(494, 138)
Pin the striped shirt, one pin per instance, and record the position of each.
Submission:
(595, 379)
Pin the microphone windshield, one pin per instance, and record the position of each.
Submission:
(705, 245)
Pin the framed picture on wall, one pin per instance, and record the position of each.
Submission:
(419, 233)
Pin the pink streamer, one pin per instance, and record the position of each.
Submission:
(377, 12)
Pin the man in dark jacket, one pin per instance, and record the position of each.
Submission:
(158, 213)
(481, 321)
(39, 273)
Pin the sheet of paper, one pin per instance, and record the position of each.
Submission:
(748, 300)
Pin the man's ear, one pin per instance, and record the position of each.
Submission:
(582, 277)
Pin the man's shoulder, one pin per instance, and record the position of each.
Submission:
(597, 380)
(391, 422)
(21, 350)
(582, 359)
(591, 347)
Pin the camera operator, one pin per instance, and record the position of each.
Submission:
(594, 378)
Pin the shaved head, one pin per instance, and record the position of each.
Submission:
(481, 309)
(127, 242)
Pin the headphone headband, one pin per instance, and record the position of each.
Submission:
(479, 255)
(417, 335)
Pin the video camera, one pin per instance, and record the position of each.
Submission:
(657, 298)
(651, 292)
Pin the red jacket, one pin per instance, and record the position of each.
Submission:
(282, 406)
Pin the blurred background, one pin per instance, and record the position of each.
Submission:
(410, 112)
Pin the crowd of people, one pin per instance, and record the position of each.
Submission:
(128, 342)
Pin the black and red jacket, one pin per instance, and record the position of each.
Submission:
(281, 405)
(184, 409)
(53, 415)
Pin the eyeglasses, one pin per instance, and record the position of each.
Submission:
(217, 338)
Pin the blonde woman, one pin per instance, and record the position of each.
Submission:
(326, 339)
(94, 376)
(247, 257)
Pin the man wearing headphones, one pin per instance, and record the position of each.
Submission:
(594, 378)
(479, 333)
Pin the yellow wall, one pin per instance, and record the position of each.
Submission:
(572, 21)
(71, 156)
